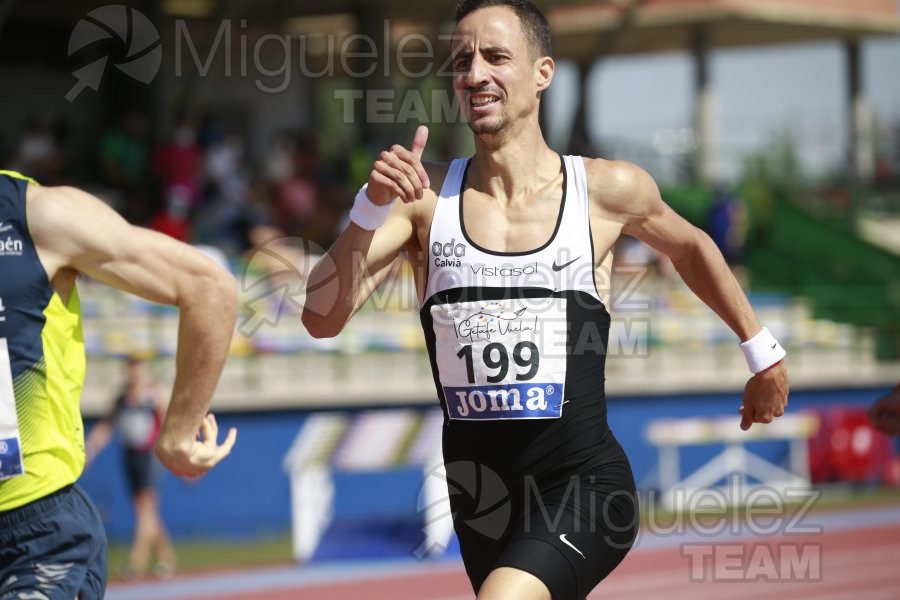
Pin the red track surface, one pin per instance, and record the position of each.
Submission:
(851, 564)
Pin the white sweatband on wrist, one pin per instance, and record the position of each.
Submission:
(367, 214)
(762, 351)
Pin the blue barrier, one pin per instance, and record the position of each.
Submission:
(248, 495)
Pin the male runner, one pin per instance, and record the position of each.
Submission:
(508, 248)
(52, 542)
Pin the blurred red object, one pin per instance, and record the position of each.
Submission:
(848, 449)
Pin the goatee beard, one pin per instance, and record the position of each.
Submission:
(491, 127)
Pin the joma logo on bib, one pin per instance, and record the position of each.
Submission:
(511, 401)
(496, 359)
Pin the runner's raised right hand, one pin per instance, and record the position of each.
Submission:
(398, 172)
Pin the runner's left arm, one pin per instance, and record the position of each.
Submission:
(634, 198)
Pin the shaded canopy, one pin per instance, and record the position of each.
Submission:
(581, 28)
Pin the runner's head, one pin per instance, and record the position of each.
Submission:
(501, 62)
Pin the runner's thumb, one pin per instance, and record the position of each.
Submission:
(419, 140)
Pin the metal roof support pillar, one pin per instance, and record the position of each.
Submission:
(579, 141)
(861, 155)
(370, 66)
(704, 108)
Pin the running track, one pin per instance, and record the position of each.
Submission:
(856, 555)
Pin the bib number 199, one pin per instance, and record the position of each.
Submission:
(496, 358)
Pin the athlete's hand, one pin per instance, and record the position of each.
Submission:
(398, 172)
(765, 396)
(885, 413)
(193, 458)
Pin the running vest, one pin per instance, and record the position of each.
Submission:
(42, 365)
(138, 422)
(517, 340)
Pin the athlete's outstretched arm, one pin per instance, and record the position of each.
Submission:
(360, 259)
(76, 232)
(629, 193)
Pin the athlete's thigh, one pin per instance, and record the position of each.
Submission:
(505, 583)
(573, 538)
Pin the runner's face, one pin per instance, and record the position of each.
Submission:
(494, 72)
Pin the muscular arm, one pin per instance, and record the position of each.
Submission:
(693, 254)
(353, 268)
(629, 195)
(76, 232)
(360, 260)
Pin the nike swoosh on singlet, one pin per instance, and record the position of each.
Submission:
(557, 267)
(563, 539)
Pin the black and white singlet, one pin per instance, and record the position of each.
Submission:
(517, 342)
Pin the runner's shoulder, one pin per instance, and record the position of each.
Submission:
(619, 187)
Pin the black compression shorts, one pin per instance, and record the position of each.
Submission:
(570, 531)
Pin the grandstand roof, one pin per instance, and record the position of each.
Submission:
(667, 25)
(654, 25)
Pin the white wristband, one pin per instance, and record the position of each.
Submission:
(366, 213)
(762, 351)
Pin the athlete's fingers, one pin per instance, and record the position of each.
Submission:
(746, 417)
(765, 417)
(209, 429)
(401, 186)
(385, 183)
(227, 444)
(393, 172)
(409, 164)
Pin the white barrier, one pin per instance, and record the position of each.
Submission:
(375, 440)
(670, 435)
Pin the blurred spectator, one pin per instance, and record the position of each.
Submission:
(136, 417)
(226, 212)
(728, 225)
(38, 153)
(632, 253)
(124, 153)
(174, 219)
(293, 166)
(179, 162)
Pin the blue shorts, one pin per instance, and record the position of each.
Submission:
(141, 470)
(53, 548)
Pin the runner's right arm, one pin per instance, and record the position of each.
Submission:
(360, 259)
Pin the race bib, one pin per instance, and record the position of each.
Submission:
(503, 359)
(11, 463)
